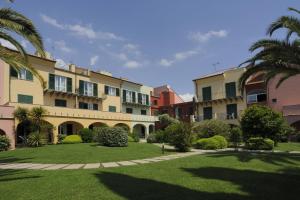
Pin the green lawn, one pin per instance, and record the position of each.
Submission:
(80, 153)
(289, 146)
(232, 176)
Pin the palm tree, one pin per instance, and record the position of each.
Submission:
(37, 114)
(276, 57)
(14, 22)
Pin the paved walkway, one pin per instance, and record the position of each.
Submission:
(37, 166)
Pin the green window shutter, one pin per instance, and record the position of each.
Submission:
(124, 95)
(230, 90)
(83, 105)
(106, 89)
(207, 113)
(95, 90)
(69, 85)
(95, 106)
(133, 97)
(51, 81)
(25, 99)
(147, 99)
(143, 112)
(81, 87)
(112, 109)
(117, 92)
(13, 72)
(29, 76)
(139, 98)
(206, 93)
(60, 103)
(231, 111)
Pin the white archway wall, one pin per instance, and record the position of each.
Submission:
(145, 124)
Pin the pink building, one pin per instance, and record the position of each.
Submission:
(285, 99)
(7, 123)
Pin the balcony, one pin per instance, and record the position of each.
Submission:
(218, 97)
(135, 104)
(230, 118)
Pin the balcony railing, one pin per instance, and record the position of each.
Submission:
(219, 116)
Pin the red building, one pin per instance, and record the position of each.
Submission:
(165, 101)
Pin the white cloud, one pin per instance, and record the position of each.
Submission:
(180, 56)
(61, 45)
(187, 97)
(51, 21)
(85, 31)
(204, 37)
(93, 60)
(7, 44)
(132, 64)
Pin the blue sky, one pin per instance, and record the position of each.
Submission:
(154, 42)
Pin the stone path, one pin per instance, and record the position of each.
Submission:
(37, 166)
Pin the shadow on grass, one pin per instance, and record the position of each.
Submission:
(11, 159)
(259, 185)
(134, 188)
(13, 175)
(271, 158)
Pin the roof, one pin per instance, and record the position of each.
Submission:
(217, 73)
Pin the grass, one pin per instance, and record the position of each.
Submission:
(288, 146)
(80, 153)
(214, 176)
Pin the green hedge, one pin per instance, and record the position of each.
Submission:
(259, 143)
(86, 135)
(4, 143)
(130, 139)
(215, 142)
(111, 136)
(151, 138)
(72, 139)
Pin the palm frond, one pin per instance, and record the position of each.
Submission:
(294, 9)
(14, 42)
(288, 22)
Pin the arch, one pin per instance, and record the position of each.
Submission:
(296, 125)
(2, 132)
(47, 129)
(97, 124)
(151, 128)
(122, 125)
(22, 131)
(141, 130)
(69, 128)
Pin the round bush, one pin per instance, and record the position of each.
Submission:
(222, 141)
(112, 136)
(209, 128)
(72, 139)
(259, 143)
(236, 136)
(4, 143)
(135, 136)
(86, 135)
(207, 143)
(130, 139)
(151, 138)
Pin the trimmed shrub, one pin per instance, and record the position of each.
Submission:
(130, 139)
(262, 121)
(221, 140)
(61, 137)
(161, 136)
(235, 136)
(72, 139)
(207, 143)
(180, 136)
(259, 143)
(209, 128)
(165, 120)
(135, 136)
(86, 135)
(4, 143)
(36, 139)
(112, 136)
(151, 138)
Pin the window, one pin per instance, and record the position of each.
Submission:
(88, 106)
(128, 96)
(60, 83)
(231, 111)
(143, 112)
(155, 102)
(143, 99)
(25, 75)
(60, 103)
(207, 113)
(112, 109)
(257, 97)
(206, 93)
(25, 99)
(274, 100)
(88, 88)
(129, 110)
(112, 91)
(230, 90)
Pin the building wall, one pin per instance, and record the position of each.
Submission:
(7, 123)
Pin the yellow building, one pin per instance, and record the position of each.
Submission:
(76, 97)
(218, 97)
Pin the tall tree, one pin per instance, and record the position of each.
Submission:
(14, 22)
(276, 56)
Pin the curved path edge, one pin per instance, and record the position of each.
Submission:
(39, 166)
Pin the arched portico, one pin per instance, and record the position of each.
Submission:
(151, 128)
(141, 130)
(97, 124)
(124, 126)
(69, 128)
